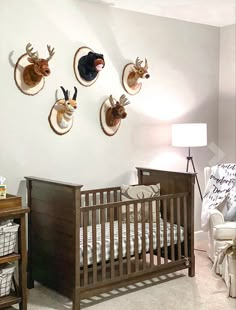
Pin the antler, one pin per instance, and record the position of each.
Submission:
(75, 94)
(146, 64)
(31, 54)
(51, 52)
(111, 101)
(138, 62)
(65, 92)
(123, 100)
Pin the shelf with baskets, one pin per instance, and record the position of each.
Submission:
(12, 236)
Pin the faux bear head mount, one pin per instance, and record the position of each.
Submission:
(87, 65)
(90, 65)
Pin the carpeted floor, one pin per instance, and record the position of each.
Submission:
(205, 291)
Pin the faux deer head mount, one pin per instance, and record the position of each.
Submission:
(31, 70)
(61, 116)
(87, 65)
(38, 67)
(133, 74)
(111, 114)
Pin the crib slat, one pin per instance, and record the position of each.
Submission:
(128, 239)
(101, 197)
(87, 199)
(150, 206)
(94, 232)
(111, 216)
(158, 237)
(103, 243)
(115, 195)
(143, 235)
(115, 200)
(172, 243)
(120, 241)
(136, 237)
(85, 247)
(108, 196)
(185, 228)
(165, 230)
(94, 199)
(178, 228)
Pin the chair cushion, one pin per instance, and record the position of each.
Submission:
(226, 231)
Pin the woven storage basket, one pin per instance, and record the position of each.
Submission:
(6, 273)
(8, 237)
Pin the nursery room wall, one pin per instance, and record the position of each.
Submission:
(227, 100)
(183, 61)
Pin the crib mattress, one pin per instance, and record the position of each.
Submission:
(132, 240)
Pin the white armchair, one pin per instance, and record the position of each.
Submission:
(220, 231)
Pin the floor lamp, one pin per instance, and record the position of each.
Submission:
(190, 135)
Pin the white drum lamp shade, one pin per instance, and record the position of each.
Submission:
(189, 135)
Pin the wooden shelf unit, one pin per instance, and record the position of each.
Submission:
(11, 209)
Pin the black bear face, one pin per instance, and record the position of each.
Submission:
(90, 64)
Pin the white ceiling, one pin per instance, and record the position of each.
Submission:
(211, 12)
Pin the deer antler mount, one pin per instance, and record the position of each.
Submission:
(61, 116)
(133, 74)
(111, 113)
(30, 70)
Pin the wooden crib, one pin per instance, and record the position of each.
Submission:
(65, 222)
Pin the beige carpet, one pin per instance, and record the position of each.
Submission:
(205, 291)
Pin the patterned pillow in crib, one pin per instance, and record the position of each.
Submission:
(129, 192)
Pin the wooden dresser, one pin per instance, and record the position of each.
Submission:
(11, 209)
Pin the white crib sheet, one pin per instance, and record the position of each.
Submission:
(132, 240)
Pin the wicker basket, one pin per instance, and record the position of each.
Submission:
(6, 273)
(8, 237)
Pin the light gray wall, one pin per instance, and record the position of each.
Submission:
(227, 100)
(183, 63)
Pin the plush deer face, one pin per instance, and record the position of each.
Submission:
(117, 111)
(38, 68)
(137, 73)
(141, 71)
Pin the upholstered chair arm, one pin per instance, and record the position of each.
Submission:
(216, 217)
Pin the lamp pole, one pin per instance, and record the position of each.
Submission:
(190, 159)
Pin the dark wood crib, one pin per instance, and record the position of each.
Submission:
(65, 222)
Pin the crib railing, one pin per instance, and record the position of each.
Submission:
(99, 197)
(130, 255)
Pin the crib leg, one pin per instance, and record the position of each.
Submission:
(30, 281)
(191, 270)
(76, 300)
